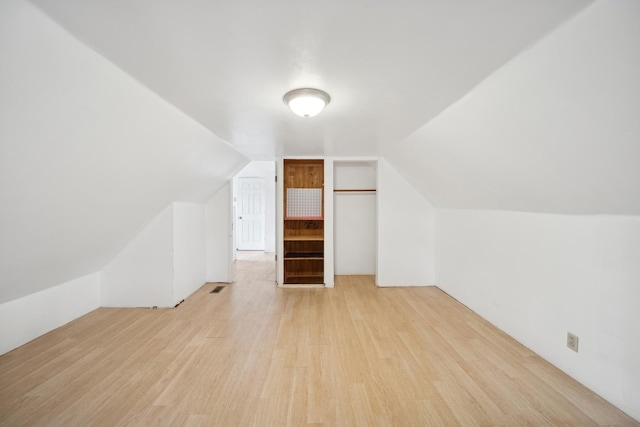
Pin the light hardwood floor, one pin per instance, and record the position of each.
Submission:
(254, 354)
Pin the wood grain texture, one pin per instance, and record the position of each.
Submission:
(255, 354)
(303, 235)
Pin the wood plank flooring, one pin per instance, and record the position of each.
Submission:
(254, 354)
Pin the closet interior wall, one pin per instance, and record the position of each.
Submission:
(355, 219)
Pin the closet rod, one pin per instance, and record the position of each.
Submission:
(368, 190)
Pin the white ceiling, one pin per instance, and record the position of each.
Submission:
(389, 67)
(527, 105)
(88, 156)
(555, 130)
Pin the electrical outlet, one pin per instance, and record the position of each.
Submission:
(572, 341)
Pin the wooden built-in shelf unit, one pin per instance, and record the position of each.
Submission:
(303, 221)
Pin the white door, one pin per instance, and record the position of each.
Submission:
(250, 214)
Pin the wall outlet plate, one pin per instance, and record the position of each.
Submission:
(572, 341)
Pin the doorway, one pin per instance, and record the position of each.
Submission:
(250, 213)
(254, 194)
(254, 267)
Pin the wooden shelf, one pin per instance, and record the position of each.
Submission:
(312, 279)
(303, 238)
(303, 257)
(305, 275)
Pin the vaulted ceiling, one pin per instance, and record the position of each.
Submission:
(555, 130)
(389, 66)
(110, 110)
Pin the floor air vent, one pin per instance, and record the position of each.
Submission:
(217, 289)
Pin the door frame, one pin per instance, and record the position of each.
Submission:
(239, 213)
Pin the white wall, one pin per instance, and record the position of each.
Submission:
(219, 236)
(406, 232)
(161, 266)
(189, 249)
(266, 170)
(355, 225)
(555, 130)
(141, 275)
(539, 276)
(165, 263)
(88, 155)
(26, 318)
(280, 219)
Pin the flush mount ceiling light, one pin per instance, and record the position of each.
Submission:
(306, 102)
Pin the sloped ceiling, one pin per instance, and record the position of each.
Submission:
(389, 66)
(555, 130)
(88, 156)
(120, 107)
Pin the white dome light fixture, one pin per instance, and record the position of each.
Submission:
(306, 102)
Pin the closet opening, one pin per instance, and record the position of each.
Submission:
(355, 217)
